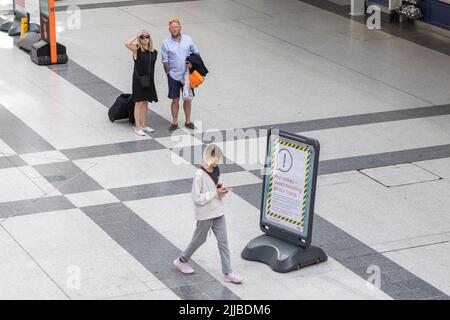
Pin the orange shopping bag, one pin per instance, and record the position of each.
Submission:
(195, 79)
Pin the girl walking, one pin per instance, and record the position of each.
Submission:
(207, 194)
(144, 91)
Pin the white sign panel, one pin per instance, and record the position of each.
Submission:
(287, 185)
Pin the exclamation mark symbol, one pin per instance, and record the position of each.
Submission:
(284, 160)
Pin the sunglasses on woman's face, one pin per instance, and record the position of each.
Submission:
(144, 37)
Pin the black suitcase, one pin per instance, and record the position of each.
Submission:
(123, 108)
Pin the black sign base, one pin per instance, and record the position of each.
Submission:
(4, 19)
(40, 53)
(6, 23)
(26, 42)
(282, 256)
(16, 29)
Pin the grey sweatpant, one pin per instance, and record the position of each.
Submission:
(219, 228)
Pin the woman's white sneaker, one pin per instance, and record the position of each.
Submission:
(139, 132)
(234, 277)
(148, 130)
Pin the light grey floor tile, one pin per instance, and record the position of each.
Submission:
(401, 174)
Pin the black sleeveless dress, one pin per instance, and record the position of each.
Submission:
(145, 64)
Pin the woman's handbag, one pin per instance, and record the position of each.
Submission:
(144, 80)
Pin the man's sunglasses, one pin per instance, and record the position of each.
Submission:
(144, 37)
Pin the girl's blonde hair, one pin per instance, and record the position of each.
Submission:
(211, 155)
(150, 42)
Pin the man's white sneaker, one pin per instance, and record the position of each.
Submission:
(139, 132)
(234, 277)
(148, 130)
(184, 267)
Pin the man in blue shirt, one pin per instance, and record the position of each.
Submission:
(174, 51)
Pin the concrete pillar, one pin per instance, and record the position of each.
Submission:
(357, 8)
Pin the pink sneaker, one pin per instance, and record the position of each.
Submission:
(234, 277)
(184, 267)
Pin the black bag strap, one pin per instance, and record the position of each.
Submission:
(135, 70)
(210, 173)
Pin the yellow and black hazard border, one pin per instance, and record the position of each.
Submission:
(296, 232)
(305, 189)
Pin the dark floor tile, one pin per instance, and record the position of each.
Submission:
(153, 190)
(443, 297)
(416, 283)
(112, 149)
(251, 193)
(31, 206)
(191, 292)
(393, 288)
(11, 162)
(216, 291)
(417, 294)
(67, 177)
(116, 4)
(19, 136)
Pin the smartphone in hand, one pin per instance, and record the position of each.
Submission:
(221, 186)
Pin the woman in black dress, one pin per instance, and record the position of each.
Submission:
(144, 56)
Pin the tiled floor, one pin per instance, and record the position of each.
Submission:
(84, 199)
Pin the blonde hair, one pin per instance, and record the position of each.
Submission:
(177, 21)
(211, 155)
(150, 42)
